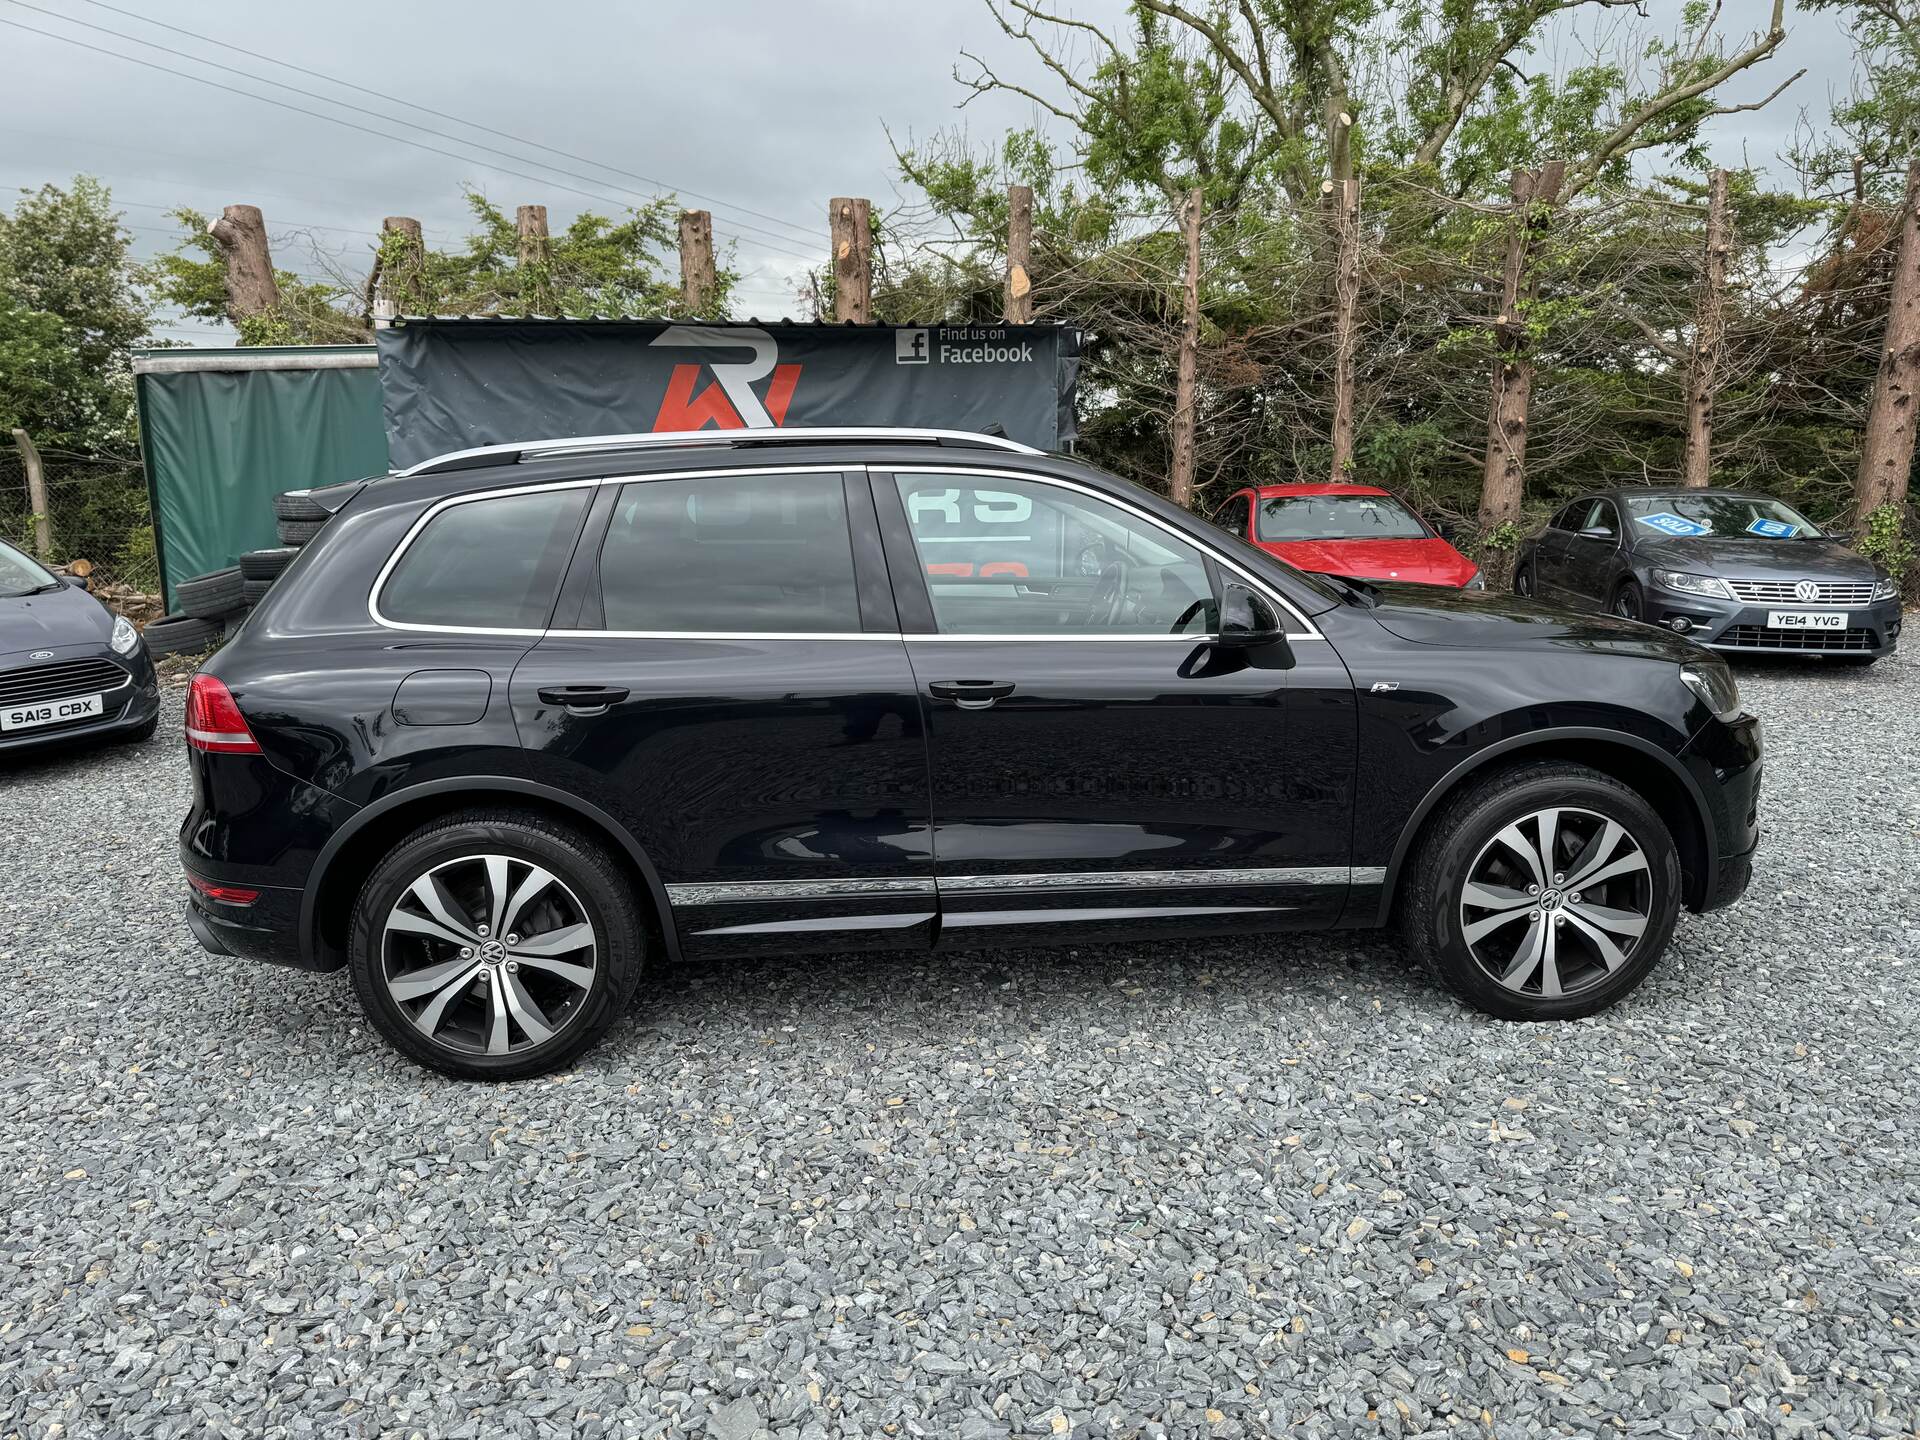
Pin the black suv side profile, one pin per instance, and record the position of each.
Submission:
(523, 720)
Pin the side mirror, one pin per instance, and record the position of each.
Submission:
(1247, 619)
(77, 582)
(1597, 532)
(1446, 530)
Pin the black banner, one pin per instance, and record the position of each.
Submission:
(450, 384)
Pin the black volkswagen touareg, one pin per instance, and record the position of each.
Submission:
(523, 720)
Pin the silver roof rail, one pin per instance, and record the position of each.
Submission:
(799, 435)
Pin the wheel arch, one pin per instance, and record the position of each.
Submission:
(1637, 763)
(356, 847)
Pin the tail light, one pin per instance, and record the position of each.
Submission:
(214, 722)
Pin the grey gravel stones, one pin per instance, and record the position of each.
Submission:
(1225, 1189)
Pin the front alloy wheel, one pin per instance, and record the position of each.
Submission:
(1556, 902)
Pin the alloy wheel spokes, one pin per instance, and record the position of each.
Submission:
(455, 962)
(1556, 901)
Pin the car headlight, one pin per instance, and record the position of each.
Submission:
(1478, 582)
(1886, 588)
(1692, 584)
(1715, 685)
(125, 638)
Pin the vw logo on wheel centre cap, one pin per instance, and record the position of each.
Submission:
(1806, 590)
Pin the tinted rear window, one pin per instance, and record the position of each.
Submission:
(753, 554)
(490, 564)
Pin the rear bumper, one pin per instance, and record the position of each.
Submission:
(266, 930)
(1735, 627)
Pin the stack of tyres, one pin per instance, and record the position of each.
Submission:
(212, 606)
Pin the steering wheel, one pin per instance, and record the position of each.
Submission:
(1110, 595)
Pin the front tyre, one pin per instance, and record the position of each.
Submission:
(495, 944)
(1629, 601)
(1546, 892)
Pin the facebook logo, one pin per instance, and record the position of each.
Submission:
(910, 347)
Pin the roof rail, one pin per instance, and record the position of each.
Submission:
(519, 450)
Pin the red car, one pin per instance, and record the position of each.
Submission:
(1355, 530)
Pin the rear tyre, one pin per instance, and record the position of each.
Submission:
(1546, 891)
(495, 945)
(1629, 601)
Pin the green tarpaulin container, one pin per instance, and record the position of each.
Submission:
(224, 431)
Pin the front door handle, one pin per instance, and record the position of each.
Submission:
(582, 699)
(971, 694)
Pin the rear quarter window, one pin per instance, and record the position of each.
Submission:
(489, 564)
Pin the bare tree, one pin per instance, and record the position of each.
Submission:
(241, 233)
(1018, 304)
(1886, 449)
(850, 223)
(1186, 385)
(1346, 324)
(698, 280)
(1503, 485)
(1709, 336)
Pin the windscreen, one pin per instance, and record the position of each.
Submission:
(1697, 513)
(1338, 517)
(20, 575)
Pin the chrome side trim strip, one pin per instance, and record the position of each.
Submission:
(1146, 879)
(735, 892)
(1367, 875)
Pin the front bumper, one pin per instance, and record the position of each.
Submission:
(1724, 759)
(1739, 627)
(124, 709)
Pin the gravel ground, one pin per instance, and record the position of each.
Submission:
(1218, 1189)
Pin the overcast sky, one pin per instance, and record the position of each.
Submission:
(764, 107)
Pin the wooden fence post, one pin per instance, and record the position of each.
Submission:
(1709, 336)
(241, 234)
(1017, 308)
(36, 495)
(850, 223)
(1886, 449)
(1503, 483)
(1186, 381)
(399, 277)
(1346, 325)
(698, 279)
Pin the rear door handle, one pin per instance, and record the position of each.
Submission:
(582, 699)
(971, 694)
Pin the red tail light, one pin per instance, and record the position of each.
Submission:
(225, 894)
(214, 722)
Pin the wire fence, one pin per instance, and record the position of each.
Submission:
(97, 510)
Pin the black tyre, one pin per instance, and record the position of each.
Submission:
(1629, 602)
(267, 564)
(297, 532)
(144, 732)
(439, 978)
(1546, 891)
(294, 505)
(180, 635)
(210, 596)
(1523, 579)
(255, 591)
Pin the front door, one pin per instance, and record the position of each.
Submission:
(725, 676)
(1098, 766)
(1588, 566)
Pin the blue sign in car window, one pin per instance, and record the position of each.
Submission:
(1670, 524)
(1774, 529)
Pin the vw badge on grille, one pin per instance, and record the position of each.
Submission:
(1806, 590)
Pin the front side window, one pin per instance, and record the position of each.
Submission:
(739, 554)
(491, 564)
(1601, 520)
(20, 575)
(1015, 556)
(1338, 517)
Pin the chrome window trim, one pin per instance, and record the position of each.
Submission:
(655, 439)
(1309, 631)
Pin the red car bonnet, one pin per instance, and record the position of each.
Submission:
(1428, 562)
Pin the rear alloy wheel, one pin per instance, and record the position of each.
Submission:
(1548, 892)
(495, 945)
(1628, 601)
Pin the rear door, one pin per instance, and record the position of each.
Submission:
(725, 676)
(1098, 765)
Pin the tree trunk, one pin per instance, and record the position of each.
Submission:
(401, 265)
(1186, 383)
(1709, 335)
(36, 496)
(698, 280)
(849, 222)
(1018, 306)
(241, 234)
(1503, 485)
(1346, 327)
(1886, 450)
